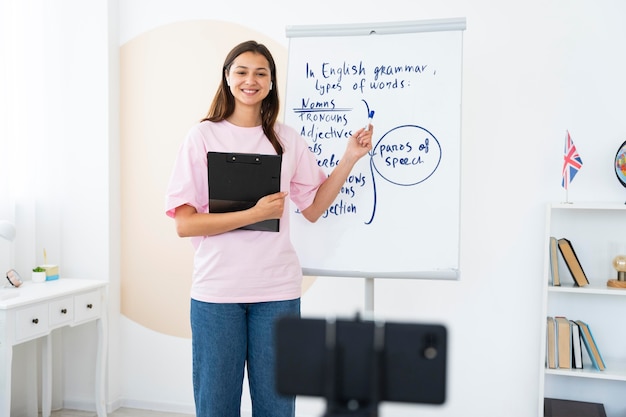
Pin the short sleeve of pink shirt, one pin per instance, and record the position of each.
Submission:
(242, 265)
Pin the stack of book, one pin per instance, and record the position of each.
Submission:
(565, 340)
(565, 247)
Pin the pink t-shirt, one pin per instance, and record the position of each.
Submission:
(243, 266)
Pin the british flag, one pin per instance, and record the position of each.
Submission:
(571, 162)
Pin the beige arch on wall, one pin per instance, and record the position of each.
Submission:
(168, 76)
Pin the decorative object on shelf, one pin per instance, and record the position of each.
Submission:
(572, 163)
(14, 278)
(619, 263)
(620, 164)
(52, 271)
(39, 274)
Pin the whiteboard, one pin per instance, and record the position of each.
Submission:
(398, 213)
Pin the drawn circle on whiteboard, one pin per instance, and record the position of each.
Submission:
(407, 155)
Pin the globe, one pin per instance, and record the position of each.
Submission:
(620, 164)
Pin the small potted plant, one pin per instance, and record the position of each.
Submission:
(39, 274)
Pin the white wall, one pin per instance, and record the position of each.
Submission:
(531, 70)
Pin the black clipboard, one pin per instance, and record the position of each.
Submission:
(238, 180)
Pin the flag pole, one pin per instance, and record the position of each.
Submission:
(565, 174)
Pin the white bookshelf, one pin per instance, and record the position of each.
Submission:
(598, 234)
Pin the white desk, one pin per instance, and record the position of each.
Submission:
(32, 311)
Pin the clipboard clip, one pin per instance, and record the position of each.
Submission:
(243, 159)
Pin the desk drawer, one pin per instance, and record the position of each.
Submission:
(87, 306)
(31, 322)
(61, 311)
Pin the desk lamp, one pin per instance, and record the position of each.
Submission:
(7, 231)
(619, 263)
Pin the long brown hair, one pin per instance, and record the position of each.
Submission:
(223, 104)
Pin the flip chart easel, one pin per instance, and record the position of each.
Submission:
(398, 214)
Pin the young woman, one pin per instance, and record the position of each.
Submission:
(243, 280)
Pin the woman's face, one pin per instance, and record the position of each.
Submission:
(249, 78)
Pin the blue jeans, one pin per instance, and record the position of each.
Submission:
(227, 337)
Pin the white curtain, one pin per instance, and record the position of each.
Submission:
(27, 141)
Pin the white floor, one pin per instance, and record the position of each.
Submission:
(120, 412)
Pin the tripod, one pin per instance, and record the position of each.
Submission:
(338, 402)
(357, 364)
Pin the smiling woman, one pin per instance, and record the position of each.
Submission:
(166, 87)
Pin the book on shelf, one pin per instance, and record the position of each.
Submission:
(591, 346)
(577, 349)
(564, 342)
(572, 262)
(554, 261)
(551, 343)
(553, 407)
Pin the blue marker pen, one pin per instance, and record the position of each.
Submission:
(369, 120)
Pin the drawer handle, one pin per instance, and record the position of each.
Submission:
(64, 311)
(35, 320)
(90, 306)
